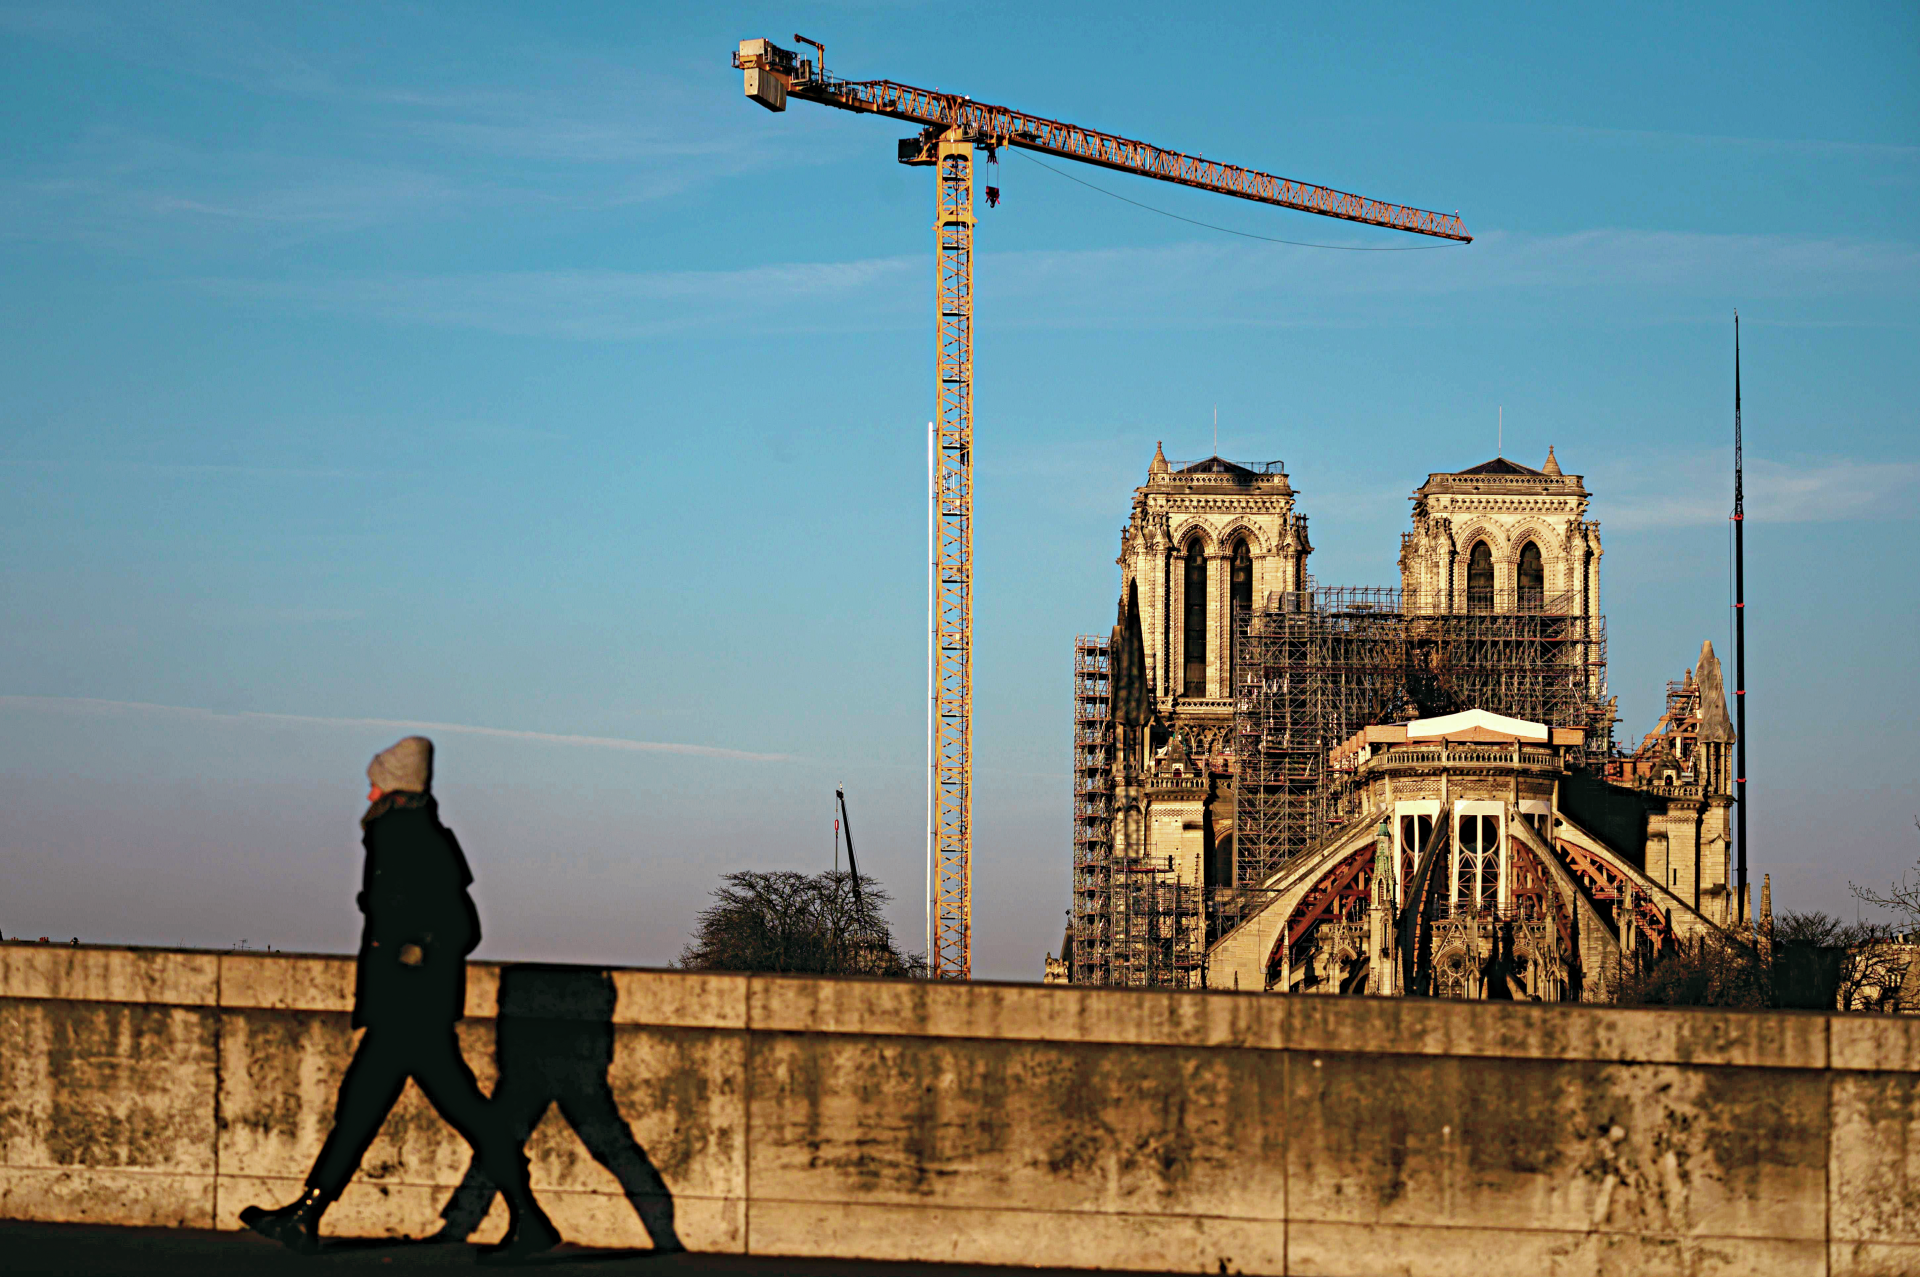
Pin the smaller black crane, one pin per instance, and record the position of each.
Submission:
(846, 821)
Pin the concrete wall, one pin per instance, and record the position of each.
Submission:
(1200, 1132)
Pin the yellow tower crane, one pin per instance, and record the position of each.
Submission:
(951, 127)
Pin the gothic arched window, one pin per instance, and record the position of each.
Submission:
(1476, 862)
(1416, 835)
(1480, 578)
(1195, 646)
(1242, 577)
(1533, 579)
(1241, 590)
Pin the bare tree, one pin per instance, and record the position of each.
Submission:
(1850, 966)
(1813, 930)
(1902, 896)
(786, 921)
(1874, 975)
(1720, 970)
(1882, 956)
(1811, 960)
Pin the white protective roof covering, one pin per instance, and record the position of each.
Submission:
(1455, 724)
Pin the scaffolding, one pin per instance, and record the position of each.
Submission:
(1134, 923)
(1313, 667)
(1092, 807)
(1310, 668)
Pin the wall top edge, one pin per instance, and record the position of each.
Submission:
(253, 980)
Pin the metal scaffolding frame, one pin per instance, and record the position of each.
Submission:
(1313, 667)
(1133, 923)
(1092, 807)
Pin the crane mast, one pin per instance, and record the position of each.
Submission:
(952, 126)
(950, 822)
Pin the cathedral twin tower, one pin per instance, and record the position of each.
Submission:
(1214, 537)
(1296, 788)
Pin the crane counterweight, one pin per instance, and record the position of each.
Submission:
(768, 70)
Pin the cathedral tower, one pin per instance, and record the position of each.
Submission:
(1394, 791)
(1153, 800)
(1203, 540)
(1501, 537)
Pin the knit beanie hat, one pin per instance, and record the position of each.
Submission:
(405, 767)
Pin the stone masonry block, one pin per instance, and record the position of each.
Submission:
(1016, 1012)
(106, 1085)
(1508, 1030)
(1875, 1170)
(98, 974)
(976, 1123)
(1648, 1150)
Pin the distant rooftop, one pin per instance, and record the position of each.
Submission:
(1500, 473)
(1216, 470)
(1241, 470)
(1217, 465)
(1500, 465)
(1462, 725)
(1472, 726)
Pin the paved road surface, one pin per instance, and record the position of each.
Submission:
(77, 1250)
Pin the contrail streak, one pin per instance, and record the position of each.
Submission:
(400, 724)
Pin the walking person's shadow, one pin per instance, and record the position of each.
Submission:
(554, 1045)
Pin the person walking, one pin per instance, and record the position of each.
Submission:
(409, 991)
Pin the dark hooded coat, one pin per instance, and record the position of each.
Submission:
(413, 891)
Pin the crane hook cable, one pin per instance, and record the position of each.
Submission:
(1342, 248)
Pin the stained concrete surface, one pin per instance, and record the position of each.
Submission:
(904, 1122)
(81, 1250)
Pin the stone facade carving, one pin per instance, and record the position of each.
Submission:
(1202, 513)
(1499, 887)
(1490, 858)
(1506, 507)
(1200, 538)
(1684, 769)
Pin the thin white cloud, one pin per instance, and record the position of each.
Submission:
(617, 305)
(565, 126)
(95, 465)
(85, 704)
(1879, 151)
(138, 192)
(1697, 491)
(1199, 284)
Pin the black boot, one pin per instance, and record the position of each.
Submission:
(297, 1227)
(529, 1232)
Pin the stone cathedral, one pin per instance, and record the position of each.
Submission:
(1288, 787)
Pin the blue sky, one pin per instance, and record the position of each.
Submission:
(500, 367)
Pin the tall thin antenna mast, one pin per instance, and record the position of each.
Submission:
(1739, 636)
(1500, 449)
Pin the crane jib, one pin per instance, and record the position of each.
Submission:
(1000, 126)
